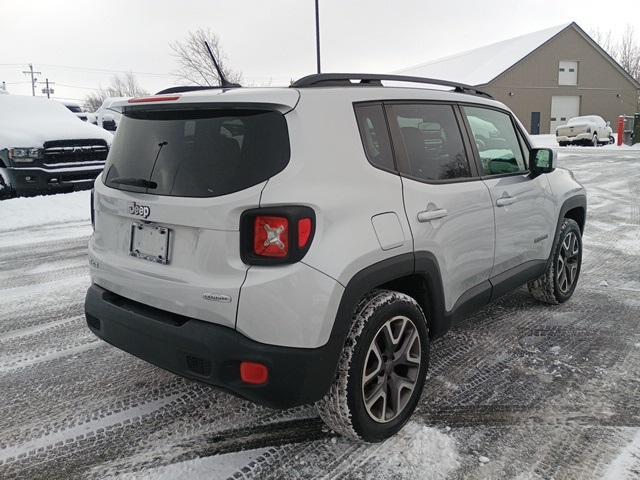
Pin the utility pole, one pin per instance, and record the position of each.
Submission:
(33, 78)
(48, 89)
(317, 37)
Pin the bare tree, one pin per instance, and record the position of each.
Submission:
(626, 50)
(120, 86)
(604, 39)
(629, 52)
(195, 63)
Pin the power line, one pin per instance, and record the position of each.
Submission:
(77, 86)
(105, 70)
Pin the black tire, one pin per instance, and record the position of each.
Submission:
(343, 407)
(550, 287)
(5, 190)
(611, 140)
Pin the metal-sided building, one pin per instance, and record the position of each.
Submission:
(545, 77)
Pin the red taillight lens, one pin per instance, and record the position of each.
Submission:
(271, 236)
(254, 373)
(305, 225)
(276, 235)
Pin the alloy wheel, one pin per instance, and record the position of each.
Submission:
(391, 367)
(568, 262)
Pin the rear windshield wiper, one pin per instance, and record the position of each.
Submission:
(134, 182)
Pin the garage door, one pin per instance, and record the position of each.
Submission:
(562, 109)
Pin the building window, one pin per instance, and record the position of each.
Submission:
(568, 72)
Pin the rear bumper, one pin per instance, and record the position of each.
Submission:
(34, 180)
(580, 138)
(211, 353)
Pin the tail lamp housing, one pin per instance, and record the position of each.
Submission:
(276, 235)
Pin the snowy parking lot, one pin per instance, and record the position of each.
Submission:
(519, 390)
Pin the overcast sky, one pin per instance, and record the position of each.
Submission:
(79, 44)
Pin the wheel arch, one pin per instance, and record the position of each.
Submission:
(574, 208)
(417, 275)
(578, 214)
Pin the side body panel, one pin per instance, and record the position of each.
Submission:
(462, 241)
(330, 173)
(524, 229)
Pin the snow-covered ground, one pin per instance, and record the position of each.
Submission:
(519, 390)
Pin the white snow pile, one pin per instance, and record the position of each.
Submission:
(45, 210)
(625, 465)
(418, 452)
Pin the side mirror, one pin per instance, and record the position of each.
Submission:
(542, 160)
(608, 123)
(109, 122)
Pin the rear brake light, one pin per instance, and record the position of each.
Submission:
(271, 236)
(153, 99)
(276, 235)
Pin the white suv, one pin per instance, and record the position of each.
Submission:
(306, 244)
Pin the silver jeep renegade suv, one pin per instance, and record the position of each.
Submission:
(306, 244)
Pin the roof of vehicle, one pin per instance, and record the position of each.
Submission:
(29, 121)
(332, 85)
(585, 118)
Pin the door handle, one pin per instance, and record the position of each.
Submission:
(428, 215)
(504, 201)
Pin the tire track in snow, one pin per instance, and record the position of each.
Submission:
(78, 432)
(12, 364)
(37, 329)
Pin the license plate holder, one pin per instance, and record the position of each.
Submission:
(150, 242)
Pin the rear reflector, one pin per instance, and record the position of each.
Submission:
(153, 99)
(254, 373)
(304, 231)
(271, 236)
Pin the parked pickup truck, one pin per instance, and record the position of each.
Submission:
(45, 148)
(587, 130)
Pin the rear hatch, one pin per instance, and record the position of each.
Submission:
(178, 176)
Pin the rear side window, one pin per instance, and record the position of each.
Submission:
(196, 153)
(432, 142)
(495, 137)
(375, 136)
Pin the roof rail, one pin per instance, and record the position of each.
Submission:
(192, 88)
(373, 79)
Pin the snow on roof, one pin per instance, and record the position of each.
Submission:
(481, 65)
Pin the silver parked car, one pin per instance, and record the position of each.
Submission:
(306, 244)
(587, 130)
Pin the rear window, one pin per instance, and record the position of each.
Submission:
(196, 153)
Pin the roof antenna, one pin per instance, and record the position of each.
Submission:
(224, 83)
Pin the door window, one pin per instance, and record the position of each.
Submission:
(431, 143)
(375, 135)
(497, 142)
